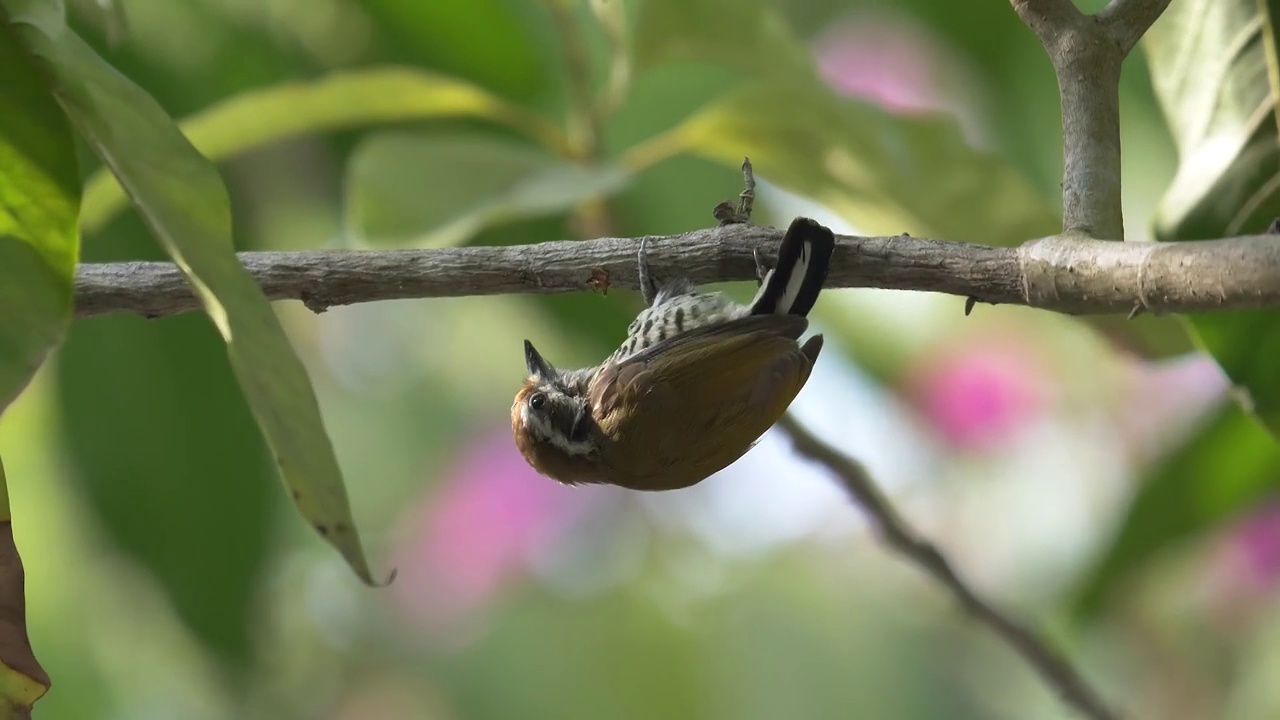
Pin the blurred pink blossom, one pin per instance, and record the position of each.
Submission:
(976, 396)
(471, 535)
(1254, 545)
(1244, 570)
(1164, 400)
(892, 64)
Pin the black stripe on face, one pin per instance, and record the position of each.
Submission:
(679, 319)
(648, 325)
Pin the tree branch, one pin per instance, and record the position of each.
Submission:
(1055, 669)
(1128, 20)
(1066, 274)
(1087, 62)
(1048, 18)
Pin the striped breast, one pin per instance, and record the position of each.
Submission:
(673, 315)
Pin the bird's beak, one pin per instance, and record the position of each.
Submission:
(536, 365)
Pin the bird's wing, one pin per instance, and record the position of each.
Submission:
(692, 404)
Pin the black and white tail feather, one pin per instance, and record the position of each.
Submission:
(804, 257)
(791, 287)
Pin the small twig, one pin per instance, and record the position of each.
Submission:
(612, 17)
(584, 135)
(1052, 666)
(728, 213)
(1128, 20)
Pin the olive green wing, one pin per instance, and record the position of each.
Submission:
(693, 404)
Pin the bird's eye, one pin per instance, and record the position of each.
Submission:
(537, 401)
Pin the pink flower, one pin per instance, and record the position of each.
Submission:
(1255, 545)
(890, 64)
(470, 537)
(977, 396)
(1167, 399)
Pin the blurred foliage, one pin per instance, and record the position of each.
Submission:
(397, 123)
(1214, 69)
(504, 181)
(1231, 464)
(339, 101)
(181, 482)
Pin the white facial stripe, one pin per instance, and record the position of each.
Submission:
(540, 426)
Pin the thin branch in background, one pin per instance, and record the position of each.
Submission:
(727, 212)
(612, 17)
(1051, 665)
(583, 132)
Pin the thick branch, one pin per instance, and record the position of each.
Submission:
(1055, 669)
(1062, 273)
(1087, 62)
(1048, 18)
(1128, 20)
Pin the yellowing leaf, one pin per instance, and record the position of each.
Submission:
(339, 101)
(441, 189)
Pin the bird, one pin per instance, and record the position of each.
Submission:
(695, 384)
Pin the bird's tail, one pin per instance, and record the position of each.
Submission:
(792, 286)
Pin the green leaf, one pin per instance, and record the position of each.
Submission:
(885, 174)
(180, 196)
(500, 44)
(339, 101)
(441, 189)
(1228, 467)
(39, 199)
(745, 35)
(1215, 73)
(1212, 65)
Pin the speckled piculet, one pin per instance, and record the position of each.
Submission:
(696, 383)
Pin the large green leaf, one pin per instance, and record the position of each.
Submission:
(1214, 67)
(1228, 466)
(180, 196)
(882, 173)
(441, 189)
(39, 199)
(1210, 64)
(343, 100)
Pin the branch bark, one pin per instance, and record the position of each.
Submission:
(1067, 273)
(1128, 20)
(1086, 61)
(1052, 666)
